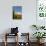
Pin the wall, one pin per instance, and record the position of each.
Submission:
(28, 15)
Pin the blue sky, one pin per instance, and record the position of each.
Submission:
(17, 8)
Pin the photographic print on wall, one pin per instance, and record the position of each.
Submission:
(17, 12)
(41, 8)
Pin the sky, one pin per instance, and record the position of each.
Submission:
(17, 8)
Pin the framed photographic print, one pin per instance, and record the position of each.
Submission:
(41, 12)
(17, 12)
